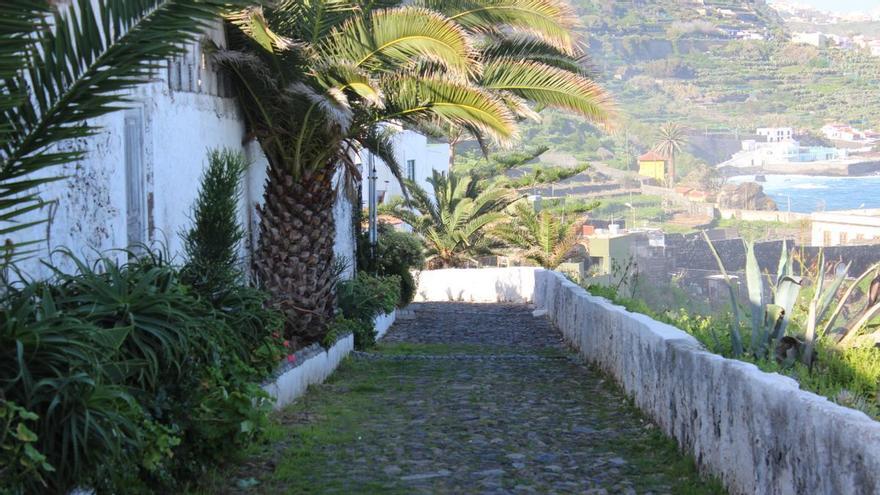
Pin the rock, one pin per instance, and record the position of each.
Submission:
(539, 313)
(516, 457)
(490, 472)
(392, 470)
(745, 196)
(426, 476)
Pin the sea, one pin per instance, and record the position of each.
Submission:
(810, 193)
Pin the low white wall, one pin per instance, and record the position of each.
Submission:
(382, 323)
(313, 368)
(484, 285)
(314, 364)
(758, 432)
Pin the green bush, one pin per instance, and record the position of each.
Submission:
(137, 381)
(397, 253)
(134, 377)
(361, 300)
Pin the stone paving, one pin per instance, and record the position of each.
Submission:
(468, 399)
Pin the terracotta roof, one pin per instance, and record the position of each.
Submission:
(652, 156)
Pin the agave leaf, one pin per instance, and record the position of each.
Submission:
(829, 293)
(736, 339)
(774, 318)
(784, 267)
(829, 325)
(787, 291)
(755, 284)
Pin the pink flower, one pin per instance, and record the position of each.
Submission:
(291, 358)
(286, 343)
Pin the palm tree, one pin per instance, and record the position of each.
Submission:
(456, 222)
(63, 65)
(317, 79)
(531, 58)
(541, 237)
(671, 137)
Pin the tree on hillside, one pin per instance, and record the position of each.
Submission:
(456, 222)
(671, 138)
(317, 80)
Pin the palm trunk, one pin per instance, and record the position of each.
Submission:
(294, 258)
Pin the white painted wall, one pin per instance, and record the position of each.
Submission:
(408, 145)
(179, 127)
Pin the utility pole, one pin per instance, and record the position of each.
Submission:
(373, 231)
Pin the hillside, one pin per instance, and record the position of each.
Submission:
(723, 68)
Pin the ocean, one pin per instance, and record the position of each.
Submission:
(810, 193)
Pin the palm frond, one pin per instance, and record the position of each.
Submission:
(548, 20)
(388, 38)
(549, 86)
(518, 47)
(420, 98)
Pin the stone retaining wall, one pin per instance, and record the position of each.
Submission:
(758, 432)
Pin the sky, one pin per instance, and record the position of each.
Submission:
(843, 6)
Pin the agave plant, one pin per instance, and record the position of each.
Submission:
(455, 223)
(846, 335)
(769, 319)
(542, 237)
(63, 64)
(318, 79)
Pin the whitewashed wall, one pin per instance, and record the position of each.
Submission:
(408, 145)
(177, 128)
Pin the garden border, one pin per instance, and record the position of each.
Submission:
(314, 364)
(757, 431)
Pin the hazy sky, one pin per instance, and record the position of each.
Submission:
(843, 5)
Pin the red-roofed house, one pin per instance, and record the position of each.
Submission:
(653, 165)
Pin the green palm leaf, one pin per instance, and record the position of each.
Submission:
(414, 99)
(548, 86)
(388, 38)
(548, 20)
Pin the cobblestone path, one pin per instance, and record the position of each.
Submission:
(467, 399)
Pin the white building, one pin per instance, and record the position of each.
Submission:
(759, 154)
(142, 171)
(776, 134)
(418, 158)
(819, 40)
(840, 228)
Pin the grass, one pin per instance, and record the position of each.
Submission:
(316, 444)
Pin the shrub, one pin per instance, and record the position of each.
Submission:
(132, 377)
(212, 243)
(397, 253)
(361, 300)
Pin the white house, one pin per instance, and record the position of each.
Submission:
(776, 134)
(418, 158)
(142, 171)
(840, 228)
(819, 40)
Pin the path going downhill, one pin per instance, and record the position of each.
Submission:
(461, 399)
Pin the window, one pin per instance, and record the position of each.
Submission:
(411, 169)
